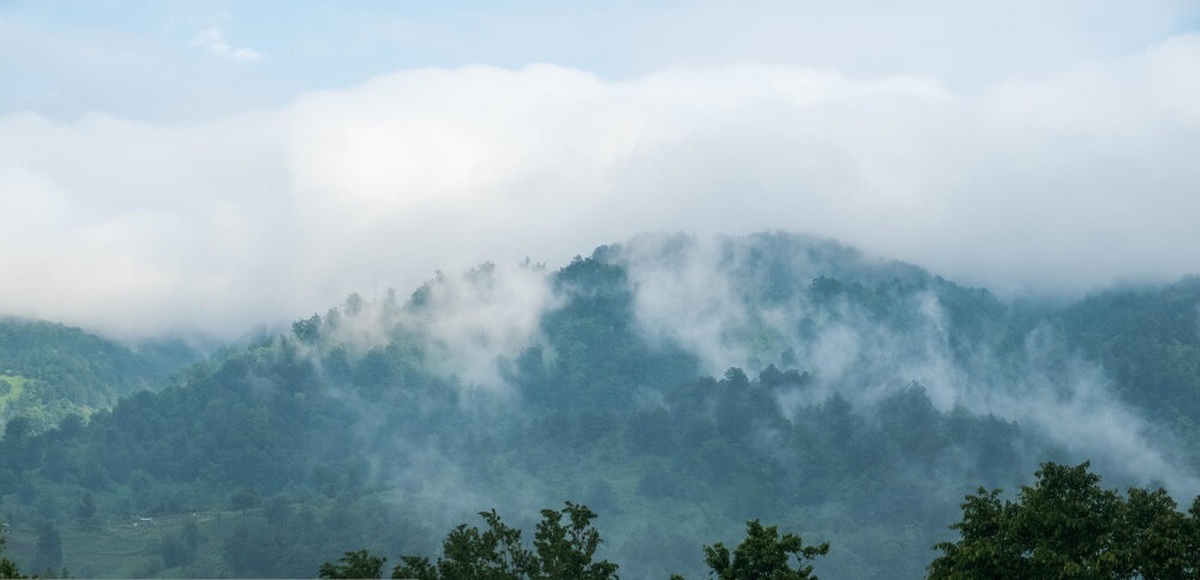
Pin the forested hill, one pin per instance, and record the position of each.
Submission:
(1148, 340)
(678, 387)
(49, 371)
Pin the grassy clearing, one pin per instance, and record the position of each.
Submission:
(132, 547)
(15, 386)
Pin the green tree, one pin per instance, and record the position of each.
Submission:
(8, 568)
(764, 554)
(360, 564)
(988, 548)
(561, 551)
(176, 551)
(493, 554)
(1164, 542)
(1067, 526)
(567, 551)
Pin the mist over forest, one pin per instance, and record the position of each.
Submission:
(288, 288)
(677, 385)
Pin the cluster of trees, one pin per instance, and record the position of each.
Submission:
(763, 554)
(1067, 526)
(50, 372)
(49, 558)
(1147, 339)
(8, 568)
(1063, 526)
(567, 551)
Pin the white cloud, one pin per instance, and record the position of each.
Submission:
(473, 318)
(1057, 183)
(213, 40)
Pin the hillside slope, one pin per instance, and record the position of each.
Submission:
(676, 386)
(49, 371)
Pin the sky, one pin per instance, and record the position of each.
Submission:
(212, 167)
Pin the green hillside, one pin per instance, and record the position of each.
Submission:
(50, 371)
(678, 388)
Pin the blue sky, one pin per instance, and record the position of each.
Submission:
(151, 59)
(147, 59)
(212, 166)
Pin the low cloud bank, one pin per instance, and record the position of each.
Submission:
(1031, 185)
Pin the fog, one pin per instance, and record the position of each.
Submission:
(1047, 185)
(749, 302)
(745, 302)
(417, 175)
(707, 295)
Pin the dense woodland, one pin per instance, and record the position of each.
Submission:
(49, 372)
(841, 398)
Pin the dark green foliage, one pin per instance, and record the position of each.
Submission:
(66, 372)
(177, 551)
(566, 550)
(1148, 339)
(1067, 526)
(20, 449)
(8, 568)
(764, 554)
(600, 356)
(308, 330)
(1163, 542)
(360, 564)
(561, 551)
(495, 552)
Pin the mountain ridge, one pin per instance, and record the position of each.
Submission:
(676, 385)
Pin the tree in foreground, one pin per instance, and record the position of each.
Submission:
(764, 554)
(1066, 526)
(561, 551)
(564, 548)
(8, 568)
(360, 564)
